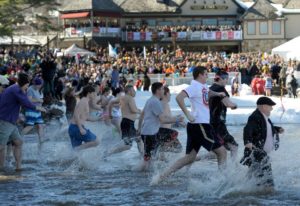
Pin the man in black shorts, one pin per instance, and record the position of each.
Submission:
(129, 115)
(150, 121)
(218, 108)
(199, 130)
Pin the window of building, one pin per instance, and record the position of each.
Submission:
(165, 23)
(276, 27)
(226, 22)
(193, 23)
(263, 27)
(151, 22)
(251, 27)
(210, 21)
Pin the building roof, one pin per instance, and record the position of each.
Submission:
(150, 6)
(261, 9)
(292, 4)
(96, 5)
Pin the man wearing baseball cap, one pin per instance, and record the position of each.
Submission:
(259, 141)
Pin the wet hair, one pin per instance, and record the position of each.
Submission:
(116, 91)
(86, 90)
(156, 86)
(198, 70)
(166, 90)
(128, 88)
(221, 75)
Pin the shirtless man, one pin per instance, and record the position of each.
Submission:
(129, 115)
(167, 135)
(78, 133)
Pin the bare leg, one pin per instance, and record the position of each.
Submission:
(186, 160)
(120, 148)
(233, 151)
(140, 146)
(8, 152)
(117, 123)
(2, 156)
(40, 130)
(26, 129)
(88, 145)
(17, 149)
(144, 166)
(221, 156)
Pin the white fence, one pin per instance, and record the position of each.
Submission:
(174, 80)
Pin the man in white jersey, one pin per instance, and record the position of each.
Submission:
(199, 130)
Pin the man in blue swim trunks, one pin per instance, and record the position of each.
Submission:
(82, 138)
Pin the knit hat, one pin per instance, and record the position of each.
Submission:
(23, 79)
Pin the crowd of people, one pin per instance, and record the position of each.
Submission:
(102, 89)
(181, 28)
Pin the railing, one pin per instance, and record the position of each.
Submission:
(184, 36)
(148, 36)
(89, 32)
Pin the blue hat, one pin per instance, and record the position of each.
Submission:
(37, 81)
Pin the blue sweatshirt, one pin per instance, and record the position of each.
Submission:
(10, 102)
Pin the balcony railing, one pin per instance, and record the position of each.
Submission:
(148, 36)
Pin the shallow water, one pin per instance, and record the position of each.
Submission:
(55, 175)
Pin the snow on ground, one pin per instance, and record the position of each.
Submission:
(246, 105)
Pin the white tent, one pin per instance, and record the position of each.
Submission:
(74, 50)
(289, 50)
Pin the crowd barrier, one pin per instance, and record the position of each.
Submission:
(175, 80)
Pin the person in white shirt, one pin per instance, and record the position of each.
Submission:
(259, 141)
(199, 131)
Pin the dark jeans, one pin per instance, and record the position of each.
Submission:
(49, 88)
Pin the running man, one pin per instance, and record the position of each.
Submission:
(199, 131)
(78, 133)
(167, 135)
(129, 112)
(11, 100)
(218, 109)
(150, 120)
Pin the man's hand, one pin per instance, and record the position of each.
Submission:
(41, 109)
(222, 94)
(82, 131)
(179, 118)
(234, 107)
(281, 130)
(249, 145)
(190, 118)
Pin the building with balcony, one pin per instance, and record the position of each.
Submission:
(228, 25)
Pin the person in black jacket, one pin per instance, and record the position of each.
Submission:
(48, 67)
(147, 82)
(218, 109)
(259, 141)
